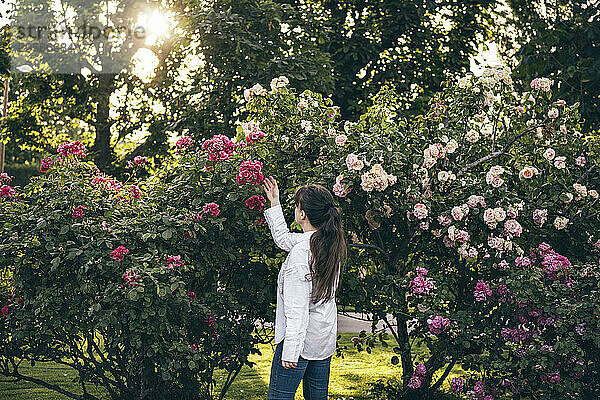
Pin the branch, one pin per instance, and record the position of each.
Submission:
(47, 385)
(444, 375)
(229, 382)
(369, 246)
(497, 153)
(392, 330)
(495, 128)
(586, 173)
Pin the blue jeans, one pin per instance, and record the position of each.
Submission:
(285, 381)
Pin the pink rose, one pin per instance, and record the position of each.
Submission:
(341, 139)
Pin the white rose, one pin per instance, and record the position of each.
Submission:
(559, 162)
(561, 223)
(549, 154)
(443, 176)
(472, 136)
(451, 146)
(499, 214)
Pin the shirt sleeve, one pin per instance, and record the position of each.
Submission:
(284, 239)
(296, 298)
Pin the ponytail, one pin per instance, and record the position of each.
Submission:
(328, 243)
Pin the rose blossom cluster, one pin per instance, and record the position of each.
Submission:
(418, 377)
(542, 84)
(433, 152)
(340, 189)
(460, 212)
(419, 211)
(256, 202)
(561, 223)
(75, 148)
(513, 228)
(78, 211)
(493, 177)
(278, 83)
(354, 163)
(553, 263)
(582, 191)
(457, 384)
(183, 142)
(517, 335)
(135, 191)
(456, 235)
(6, 191)
(131, 277)
(475, 201)
(219, 147)
(437, 324)
(560, 162)
(252, 132)
(341, 139)
(174, 261)
(118, 253)
(522, 262)
(491, 216)
(11, 303)
(250, 172)
(211, 320)
(107, 183)
(540, 217)
(306, 125)
(478, 392)
(472, 136)
(446, 176)
(212, 208)
(138, 161)
(376, 178)
(46, 163)
(420, 284)
(553, 377)
(482, 291)
(256, 90)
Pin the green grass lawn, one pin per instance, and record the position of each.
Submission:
(349, 377)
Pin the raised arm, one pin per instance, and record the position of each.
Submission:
(283, 238)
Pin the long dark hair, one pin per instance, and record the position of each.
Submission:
(327, 244)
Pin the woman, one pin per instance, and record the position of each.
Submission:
(306, 314)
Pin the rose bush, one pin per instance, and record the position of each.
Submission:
(442, 210)
(105, 281)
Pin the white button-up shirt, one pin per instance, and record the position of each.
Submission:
(309, 329)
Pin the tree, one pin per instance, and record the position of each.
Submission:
(241, 42)
(559, 41)
(62, 102)
(412, 46)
